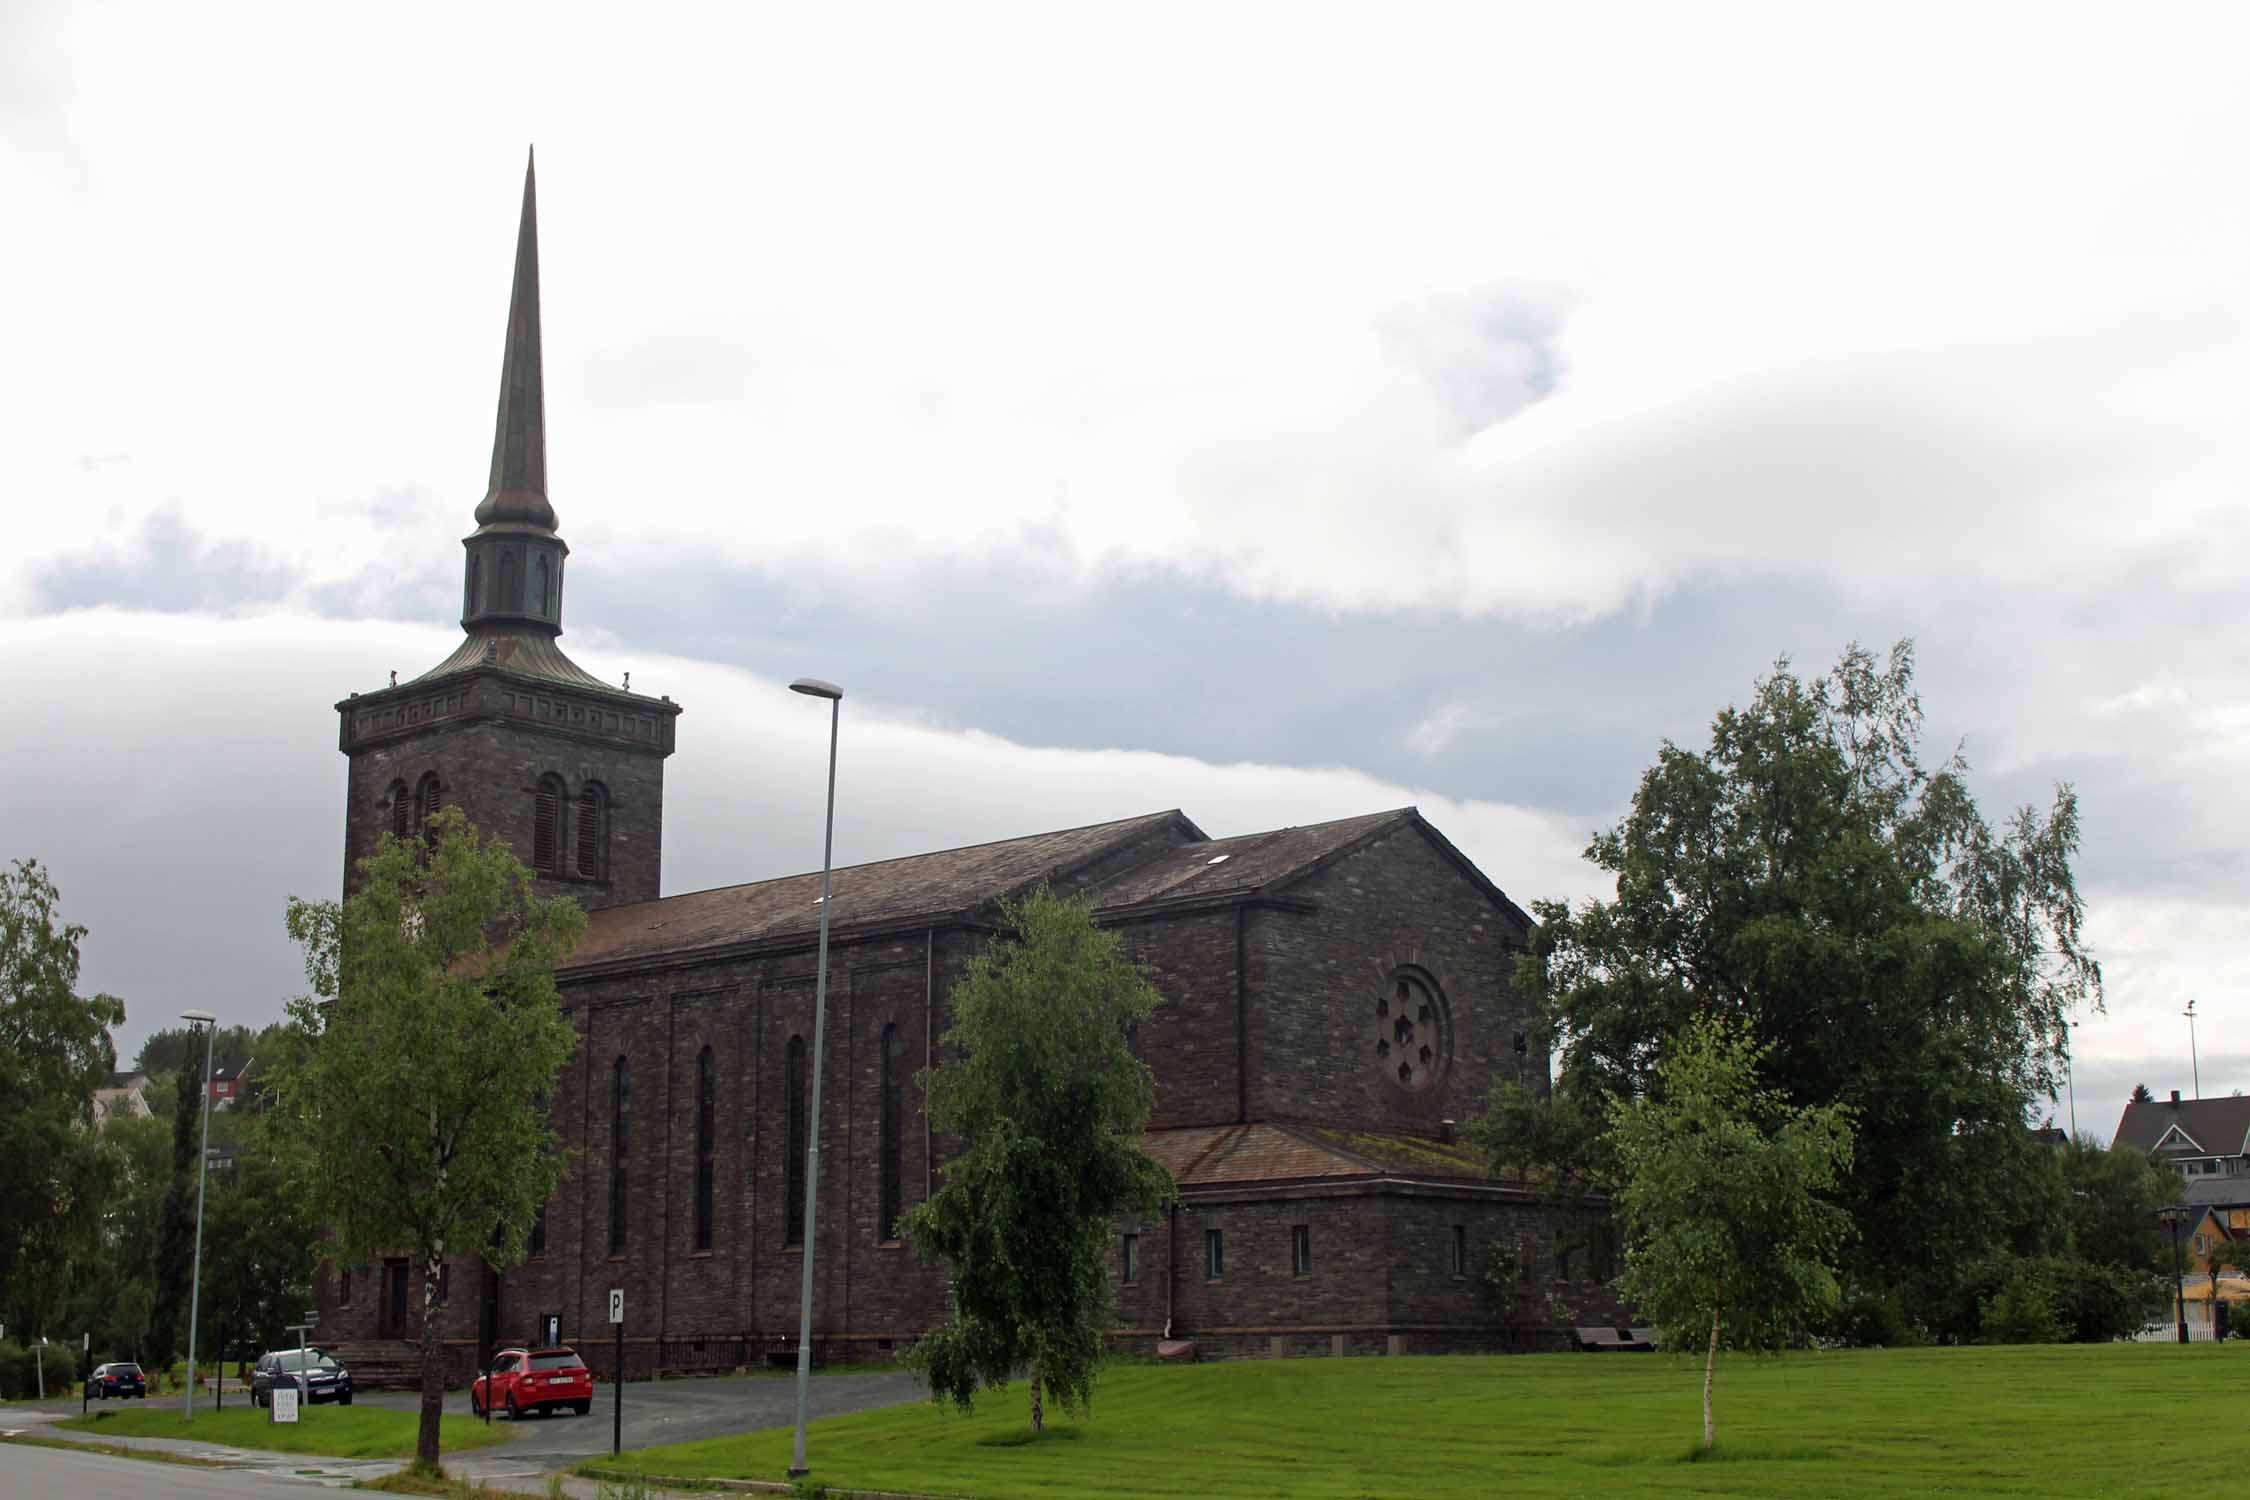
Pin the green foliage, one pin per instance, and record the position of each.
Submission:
(1809, 877)
(55, 1050)
(2091, 1303)
(2113, 1195)
(412, 1112)
(2021, 1312)
(1729, 1238)
(1049, 1103)
(21, 1364)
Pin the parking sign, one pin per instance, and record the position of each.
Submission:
(617, 1304)
(282, 1405)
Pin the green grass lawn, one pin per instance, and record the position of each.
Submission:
(2047, 1422)
(334, 1431)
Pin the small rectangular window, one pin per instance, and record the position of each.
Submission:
(1460, 1249)
(1214, 1253)
(1300, 1249)
(1129, 1258)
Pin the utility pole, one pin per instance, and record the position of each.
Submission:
(2193, 1060)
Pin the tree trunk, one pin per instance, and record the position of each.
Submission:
(1711, 1362)
(433, 1368)
(1038, 1407)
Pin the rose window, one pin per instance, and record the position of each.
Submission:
(1413, 1031)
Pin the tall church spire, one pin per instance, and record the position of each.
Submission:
(514, 577)
(518, 491)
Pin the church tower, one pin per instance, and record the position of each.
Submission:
(566, 768)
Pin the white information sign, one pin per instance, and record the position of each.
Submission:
(284, 1400)
(617, 1304)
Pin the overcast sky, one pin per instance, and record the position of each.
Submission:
(1278, 412)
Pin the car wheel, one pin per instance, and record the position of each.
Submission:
(582, 1407)
(513, 1414)
(476, 1407)
(345, 1399)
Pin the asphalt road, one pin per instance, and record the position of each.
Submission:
(670, 1411)
(27, 1472)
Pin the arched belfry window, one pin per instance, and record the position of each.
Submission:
(546, 826)
(894, 1127)
(511, 582)
(593, 831)
(402, 810)
(476, 583)
(428, 797)
(542, 584)
(706, 1144)
(793, 1190)
(620, 1142)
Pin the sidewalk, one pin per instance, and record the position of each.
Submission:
(484, 1466)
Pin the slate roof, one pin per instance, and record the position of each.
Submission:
(1291, 1151)
(951, 882)
(2220, 1126)
(530, 653)
(1252, 861)
(1203, 1155)
(920, 885)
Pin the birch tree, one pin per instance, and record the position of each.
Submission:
(1728, 1238)
(415, 1111)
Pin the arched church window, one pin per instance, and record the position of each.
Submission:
(546, 826)
(427, 794)
(511, 582)
(894, 1127)
(476, 583)
(542, 578)
(402, 810)
(593, 831)
(620, 1141)
(793, 1190)
(706, 1143)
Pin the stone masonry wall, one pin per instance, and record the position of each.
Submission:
(1313, 1024)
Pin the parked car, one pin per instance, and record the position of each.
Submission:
(315, 1374)
(529, 1380)
(122, 1380)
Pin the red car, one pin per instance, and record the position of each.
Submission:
(529, 1380)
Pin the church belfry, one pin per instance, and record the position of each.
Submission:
(536, 750)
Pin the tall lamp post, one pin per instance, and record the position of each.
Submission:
(813, 687)
(210, 1026)
(2175, 1217)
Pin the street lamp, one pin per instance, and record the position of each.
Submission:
(210, 1025)
(2175, 1217)
(813, 687)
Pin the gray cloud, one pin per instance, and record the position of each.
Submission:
(163, 564)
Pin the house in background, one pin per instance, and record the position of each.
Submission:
(126, 1098)
(228, 1083)
(2208, 1142)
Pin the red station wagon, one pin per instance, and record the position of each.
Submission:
(529, 1380)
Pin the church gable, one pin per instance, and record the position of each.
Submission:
(1383, 988)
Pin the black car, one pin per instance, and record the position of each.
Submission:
(313, 1373)
(122, 1380)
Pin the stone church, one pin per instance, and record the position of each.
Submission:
(1336, 998)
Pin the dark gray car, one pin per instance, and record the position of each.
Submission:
(316, 1374)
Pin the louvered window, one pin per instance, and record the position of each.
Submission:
(793, 1191)
(427, 796)
(593, 830)
(546, 833)
(706, 1143)
(620, 1143)
(402, 810)
(893, 1129)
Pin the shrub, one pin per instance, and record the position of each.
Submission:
(2022, 1313)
